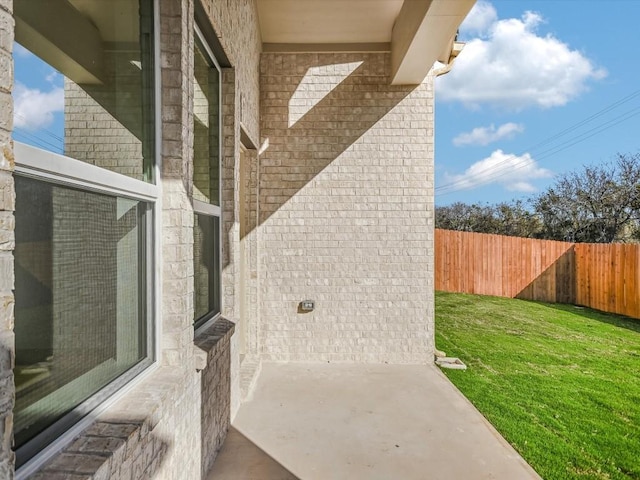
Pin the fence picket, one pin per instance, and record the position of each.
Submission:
(602, 276)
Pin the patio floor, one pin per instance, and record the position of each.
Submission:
(342, 421)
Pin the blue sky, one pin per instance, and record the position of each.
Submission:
(541, 88)
(38, 102)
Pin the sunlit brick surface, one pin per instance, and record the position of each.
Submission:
(346, 210)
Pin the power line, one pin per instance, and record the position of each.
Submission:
(42, 129)
(569, 143)
(37, 141)
(558, 135)
(613, 106)
(452, 186)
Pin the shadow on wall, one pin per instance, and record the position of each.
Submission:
(112, 449)
(511, 267)
(556, 284)
(313, 108)
(215, 390)
(600, 276)
(6, 398)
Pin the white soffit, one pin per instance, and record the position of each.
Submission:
(51, 29)
(327, 21)
(117, 20)
(418, 32)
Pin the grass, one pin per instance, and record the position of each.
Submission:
(560, 383)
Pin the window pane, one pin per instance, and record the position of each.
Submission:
(84, 81)
(206, 255)
(206, 170)
(80, 298)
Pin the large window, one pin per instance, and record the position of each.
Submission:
(206, 183)
(85, 197)
(80, 279)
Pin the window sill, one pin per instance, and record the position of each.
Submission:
(121, 441)
(209, 338)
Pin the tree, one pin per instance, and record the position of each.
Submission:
(466, 218)
(502, 219)
(517, 221)
(599, 204)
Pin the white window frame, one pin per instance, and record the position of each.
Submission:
(37, 163)
(204, 208)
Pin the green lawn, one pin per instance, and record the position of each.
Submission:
(560, 383)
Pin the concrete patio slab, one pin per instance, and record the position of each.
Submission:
(343, 421)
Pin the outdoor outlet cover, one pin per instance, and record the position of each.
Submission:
(307, 305)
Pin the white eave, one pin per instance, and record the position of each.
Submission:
(416, 32)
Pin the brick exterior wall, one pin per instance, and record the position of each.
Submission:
(170, 426)
(339, 209)
(7, 242)
(230, 194)
(215, 385)
(114, 147)
(346, 210)
(236, 24)
(249, 246)
(176, 61)
(172, 422)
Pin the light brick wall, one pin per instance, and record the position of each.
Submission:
(236, 24)
(230, 229)
(230, 194)
(217, 402)
(177, 182)
(93, 134)
(346, 210)
(249, 238)
(171, 426)
(173, 423)
(7, 242)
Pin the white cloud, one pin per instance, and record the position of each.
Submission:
(487, 135)
(521, 187)
(479, 19)
(35, 109)
(513, 172)
(54, 78)
(510, 66)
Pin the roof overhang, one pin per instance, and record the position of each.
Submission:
(416, 32)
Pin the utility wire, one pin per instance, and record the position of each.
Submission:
(554, 151)
(451, 187)
(613, 106)
(43, 130)
(548, 140)
(38, 141)
(597, 129)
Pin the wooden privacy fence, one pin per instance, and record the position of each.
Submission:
(608, 277)
(601, 276)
